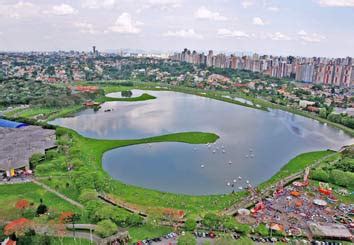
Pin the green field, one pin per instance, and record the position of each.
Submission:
(10, 194)
(139, 98)
(148, 232)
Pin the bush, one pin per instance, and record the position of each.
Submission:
(35, 159)
(345, 179)
(262, 230)
(88, 195)
(333, 117)
(242, 228)
(119, 217)
(211, 221)
(134, 220)
(320, 175)
(91, 207)
(106, 228)
(190, 225)
(51, 154)
(104, 213)
(187, 239)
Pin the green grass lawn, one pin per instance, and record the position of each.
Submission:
(147, 232)
(297, 164)
(69, 241)
(139, 98)
(47, 113)
(10, 194)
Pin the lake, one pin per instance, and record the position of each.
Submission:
(253, 144)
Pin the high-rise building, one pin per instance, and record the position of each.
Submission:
(339, 72)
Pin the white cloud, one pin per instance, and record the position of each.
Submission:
(190, 33)
(126, 24)
(163, 4)
(232, 33)
(273, 8)
(19, 10)
(278, 36)
(62, 9)
(204, 13)
(96, 4)
(258, 21)
(247, 3)
(302, 32)
(336, 3)
(85, 27)
(310, 37)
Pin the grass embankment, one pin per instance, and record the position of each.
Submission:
(297, 164)
(10, 194)
(150, 201)
(43, 113)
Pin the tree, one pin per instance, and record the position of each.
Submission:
(134, 220)
(323, 113)
(35, 159)
(127, 94)
(18, 227)
(187, 239)
(348, 121)
(65, 217)
(104, 213)
(334, 117)
(190, 225)
(42, 208)
(106, 228)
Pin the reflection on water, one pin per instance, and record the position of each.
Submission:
(135, 93)
(274, 137)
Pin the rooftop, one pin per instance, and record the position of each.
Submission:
(17, 145)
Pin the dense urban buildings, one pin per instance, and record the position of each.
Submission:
(337, 72)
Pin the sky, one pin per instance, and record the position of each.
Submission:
(279, 27)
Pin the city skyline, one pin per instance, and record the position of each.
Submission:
(302, 28)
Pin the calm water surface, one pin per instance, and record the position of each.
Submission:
(253, 144)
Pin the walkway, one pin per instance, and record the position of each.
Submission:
(109, 200)
(75, 203)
